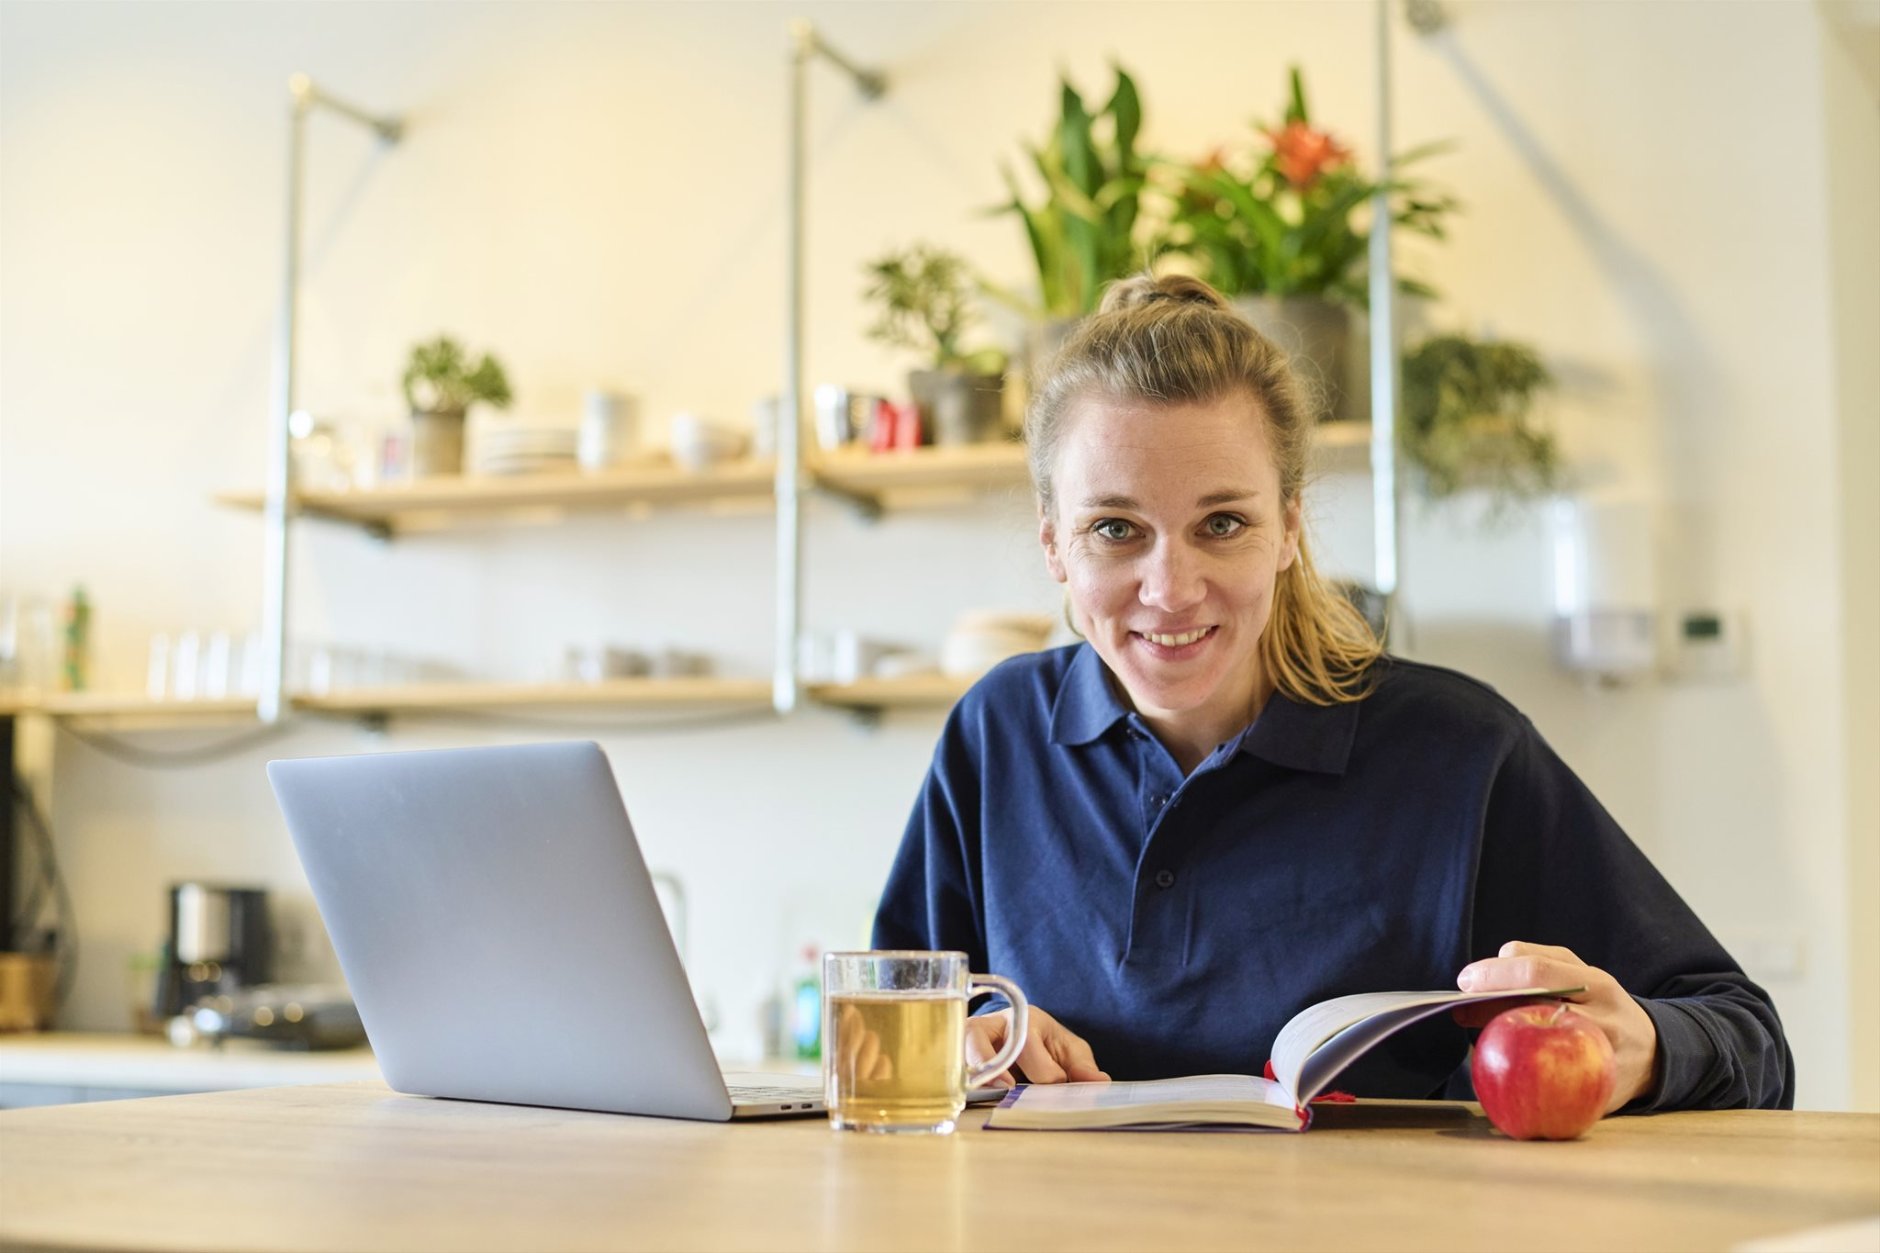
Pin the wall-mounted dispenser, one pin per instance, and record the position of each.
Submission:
(1605, 588)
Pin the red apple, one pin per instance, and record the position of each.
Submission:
(1543, 1072)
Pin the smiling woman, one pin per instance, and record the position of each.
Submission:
(1171, 406)
(1228, 803)
(1170, 535)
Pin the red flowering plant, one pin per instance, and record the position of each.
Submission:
(1292, 217)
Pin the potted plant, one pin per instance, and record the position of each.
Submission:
(1468, 419)
(1083, 232)
(1285, 230)
(441, 383)
(925, 296)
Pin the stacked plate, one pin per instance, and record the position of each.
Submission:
(981, 640)
(524, 450)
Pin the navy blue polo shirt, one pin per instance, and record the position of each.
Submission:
(1177, 922)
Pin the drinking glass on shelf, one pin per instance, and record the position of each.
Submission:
(157, 670)
(319, 662)
(186, 666)
(28, 650)
(253, 657)
(9, 643)
(216, 656)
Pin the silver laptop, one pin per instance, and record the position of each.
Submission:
(499, 930)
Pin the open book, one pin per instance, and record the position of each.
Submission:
(1313, 1047)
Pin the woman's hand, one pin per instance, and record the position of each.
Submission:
(1052, 1053)
(1629, 1028)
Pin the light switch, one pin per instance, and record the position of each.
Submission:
(1708, 646)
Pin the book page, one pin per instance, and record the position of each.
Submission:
(1168, 1102)
(1198, 1088)
(1321, 1040)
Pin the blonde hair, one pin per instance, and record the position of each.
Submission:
(1174, 341)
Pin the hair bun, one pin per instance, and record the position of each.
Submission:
(1146, 289)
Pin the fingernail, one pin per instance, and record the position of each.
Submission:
(1466, 980)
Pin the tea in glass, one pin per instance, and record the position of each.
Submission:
(894, 1039)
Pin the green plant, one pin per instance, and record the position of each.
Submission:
(1291, 217)
(926, 296)
(1468, 422)
(1082, 233)
(440, 378)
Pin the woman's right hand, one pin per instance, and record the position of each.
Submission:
(1052, 1054)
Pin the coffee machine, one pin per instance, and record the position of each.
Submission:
(219, 943)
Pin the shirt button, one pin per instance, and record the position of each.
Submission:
(1165, 878)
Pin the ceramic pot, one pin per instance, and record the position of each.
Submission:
(958, 407)
(437, 443)
(1320, 338)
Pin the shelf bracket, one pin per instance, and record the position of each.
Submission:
(864, 505)
(305, 97)
(865, 717)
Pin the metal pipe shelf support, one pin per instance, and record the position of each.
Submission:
(805, 46)
(304, 97)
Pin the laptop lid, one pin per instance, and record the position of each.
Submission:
(499, 930)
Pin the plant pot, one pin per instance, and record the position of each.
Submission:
(437, 443)
(1319, 338)
(957, 407)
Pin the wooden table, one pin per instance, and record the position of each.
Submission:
(355, 1166)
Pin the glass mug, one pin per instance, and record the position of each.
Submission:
(894, 1039)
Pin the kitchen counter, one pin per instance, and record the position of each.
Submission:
(58, 1067)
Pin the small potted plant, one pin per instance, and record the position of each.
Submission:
(925, 296)
(1083, 233)
(441, 383)
(1284, 230)
(1468, 419)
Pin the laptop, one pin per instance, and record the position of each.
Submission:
(499, 930)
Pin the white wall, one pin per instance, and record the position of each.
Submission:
(1655, 198)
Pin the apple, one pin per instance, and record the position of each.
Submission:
(1543, 1072)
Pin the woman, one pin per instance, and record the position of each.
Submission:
(1227, 803)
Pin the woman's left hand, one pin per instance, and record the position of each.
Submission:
(1629, 1028)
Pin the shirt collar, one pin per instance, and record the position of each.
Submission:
(1288, 733)
(1299, 736)
(1087, 705)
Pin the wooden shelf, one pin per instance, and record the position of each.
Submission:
(132, 706)
(956, 470)
(131, 711)
(613, 693)
(869, 479)
(926, 691)
(425, 504)
(642, 693)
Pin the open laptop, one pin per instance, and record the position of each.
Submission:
(501, 936)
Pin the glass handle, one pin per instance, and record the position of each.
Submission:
(1021, 1017)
